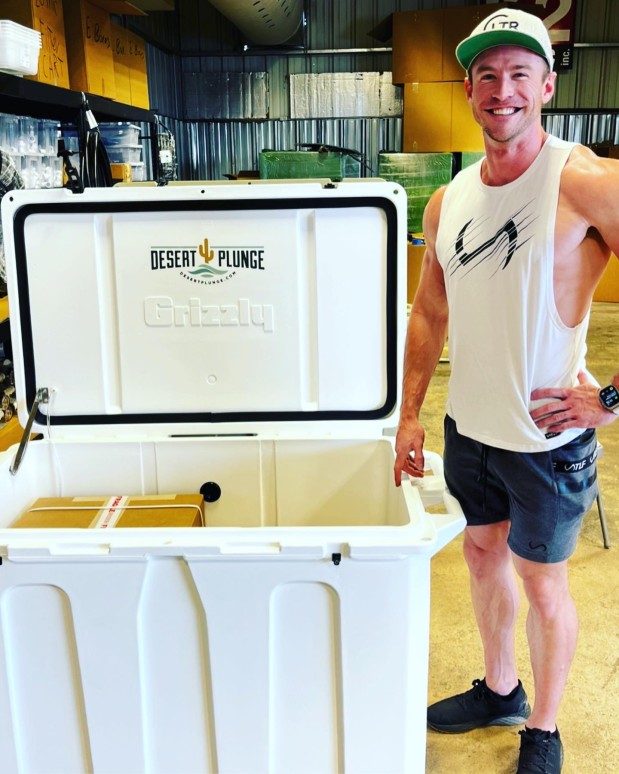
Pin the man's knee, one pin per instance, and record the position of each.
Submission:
(545, 585)
(485, 547)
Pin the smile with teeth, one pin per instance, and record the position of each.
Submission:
(507, 111)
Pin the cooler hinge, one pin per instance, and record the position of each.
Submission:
(42, 396)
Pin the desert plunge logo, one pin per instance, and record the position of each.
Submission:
(206, 264)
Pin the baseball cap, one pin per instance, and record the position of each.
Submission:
(507, 27)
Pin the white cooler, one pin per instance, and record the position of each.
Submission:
(248, 335)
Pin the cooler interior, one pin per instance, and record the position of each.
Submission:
(264, 483)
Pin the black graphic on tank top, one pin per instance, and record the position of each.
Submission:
(474, 246)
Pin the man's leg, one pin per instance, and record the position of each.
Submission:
(499, 699)
(552, 630)
(495, 596)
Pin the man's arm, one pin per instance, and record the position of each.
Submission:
(595, 183)
(424, 343)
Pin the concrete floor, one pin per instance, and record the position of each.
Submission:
(590, 711)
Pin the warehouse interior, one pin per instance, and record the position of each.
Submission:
(238, 91)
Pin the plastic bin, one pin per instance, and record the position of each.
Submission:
(19, 48)
(119, 134)
(124, 154)
(289, 635)
(138, 173)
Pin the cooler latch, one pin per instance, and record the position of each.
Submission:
(42, 396)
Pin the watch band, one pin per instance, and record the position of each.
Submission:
(609, 398)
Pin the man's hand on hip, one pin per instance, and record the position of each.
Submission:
(572, 407)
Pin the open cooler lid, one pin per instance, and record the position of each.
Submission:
(218, 308)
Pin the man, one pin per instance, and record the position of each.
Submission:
(515, 247)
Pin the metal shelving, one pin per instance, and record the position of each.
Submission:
(21, 96)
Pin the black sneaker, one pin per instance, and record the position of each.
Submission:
(477, 708)
(541, 752)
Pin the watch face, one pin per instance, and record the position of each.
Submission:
(609, 397)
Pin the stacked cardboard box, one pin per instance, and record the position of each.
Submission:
(129, 57)
(89, 45)
(82, 50)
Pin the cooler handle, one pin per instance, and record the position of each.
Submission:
(42, 396)
(432, 490)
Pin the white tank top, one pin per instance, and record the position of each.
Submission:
(496, 247)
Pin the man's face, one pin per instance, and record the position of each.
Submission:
(507, 87)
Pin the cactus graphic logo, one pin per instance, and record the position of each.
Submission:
(207, 256)
(205, 263)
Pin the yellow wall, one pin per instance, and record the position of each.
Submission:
(608, 288)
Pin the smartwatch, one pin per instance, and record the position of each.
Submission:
(609, 398)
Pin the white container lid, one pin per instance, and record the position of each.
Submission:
(19, 32)
(117, 126)
(226, 307)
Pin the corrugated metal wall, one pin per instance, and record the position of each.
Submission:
(216, 148)
(196, 38)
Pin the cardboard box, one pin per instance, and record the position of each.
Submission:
(466, 134)
(424, 42)
(174, 510)
(438, 118)
(138, 76)
(122, 173)
(129, 52)
(120, 47)
(48, 19)
(89, 47)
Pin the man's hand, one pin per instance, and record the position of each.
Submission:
(574, 407)
(409, 451)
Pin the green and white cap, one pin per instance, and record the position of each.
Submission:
(507, 27)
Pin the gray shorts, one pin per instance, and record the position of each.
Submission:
(544, 494)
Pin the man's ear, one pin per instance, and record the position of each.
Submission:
(468, 87)
(549, 88)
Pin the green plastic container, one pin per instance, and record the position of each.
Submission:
(285, 165)
(420, 174)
